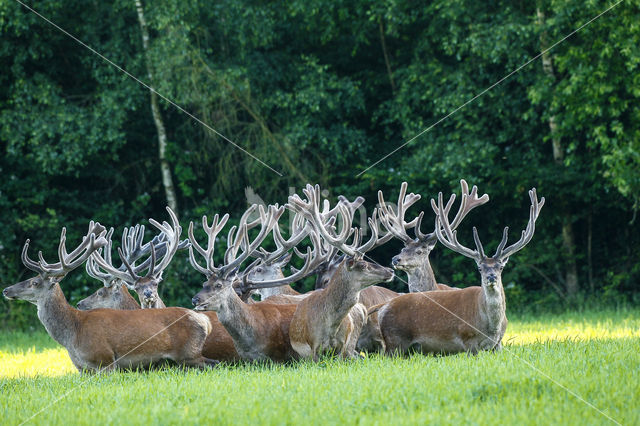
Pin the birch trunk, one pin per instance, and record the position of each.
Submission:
(165, 169)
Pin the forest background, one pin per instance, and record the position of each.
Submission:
(319, 91)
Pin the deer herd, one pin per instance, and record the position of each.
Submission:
(346, 314)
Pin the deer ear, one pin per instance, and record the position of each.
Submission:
(284, 260)
(351, 262)
(54, 279)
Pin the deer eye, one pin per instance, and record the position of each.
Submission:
(218, 286)
(418, 251)
(258, 269)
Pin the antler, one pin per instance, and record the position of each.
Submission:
(313, 258)
(133, 249)
(527, 234)
(68, 261)
(311, 210)
(212, 232)
(394, 222)
(467, 203)
(267, 220)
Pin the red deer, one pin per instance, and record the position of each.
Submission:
(331, 319)
(414, 257)
(115, 293)
(218, 344)
(260, 331)
(106, 339)
(146, 286)
(469, 320)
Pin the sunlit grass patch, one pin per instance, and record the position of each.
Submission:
(594, 355)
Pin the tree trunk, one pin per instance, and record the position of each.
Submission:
(568, 238)
(165, 169)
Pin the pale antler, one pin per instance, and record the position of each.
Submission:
(212, 232)
(68, 261)
(394, 221)
(468, 202)
(268, 220)
(313, 257)
(311, 210)
(504, 253)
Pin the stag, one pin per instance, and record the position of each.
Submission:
(260, 331)
(115, 293)
(468, 320)
(218, 344)
(146, 286)
(331, 319)
(414, 257)
(105, 339)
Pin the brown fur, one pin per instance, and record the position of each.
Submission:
(328, 319)
(259, 331)
(218, 345)
(113, 339)
(438, 322)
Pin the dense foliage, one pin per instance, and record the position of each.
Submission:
(319, 91)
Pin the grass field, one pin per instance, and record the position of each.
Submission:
(595, 355)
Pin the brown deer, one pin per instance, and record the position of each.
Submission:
(469, 320)
(260, 331)
(331, 319)
(106, 339)
(218, 344)
(146, 286)
(414, 257)
(115, 293)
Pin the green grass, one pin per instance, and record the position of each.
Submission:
(594, 354)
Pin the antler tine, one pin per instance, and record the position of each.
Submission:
(449, 239)
(90, 243)
(299, 231)
(310, 209)
(94, 271)
(394, 222)
(132, 273)
(26, 260)
(468, 202)
(211, 231)
(268, 220)
(313, 258)
(360, 250)
(479, 247)
(173, 232)
(97, 258)
(527, 234)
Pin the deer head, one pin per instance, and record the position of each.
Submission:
(49, 274)
(490, 268)
(361, 272)
(115, 293)
(146, 286)
(416, 251)
(219, 286)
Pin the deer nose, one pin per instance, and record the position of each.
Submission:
(5, 293)
(395, 260)
(492, 277)
(195, 300)
(148, 294)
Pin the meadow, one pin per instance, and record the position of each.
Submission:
(574, 368)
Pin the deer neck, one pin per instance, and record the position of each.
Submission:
(236, 318)
(341, 294)
(128, 302)
(493, 305)
(58, 317)
(422, 278)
